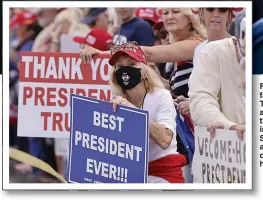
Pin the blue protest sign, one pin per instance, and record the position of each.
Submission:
(107, 146)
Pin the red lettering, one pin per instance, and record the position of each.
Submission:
(62, 102)
(68, 67)
(27, 94)
(106, 67)
(67, 122)
(91, 92)
(51, 97)
(45, 115)
(71, 91)
(80, 92)
(39, 95)
(57, 120)
(103, 96)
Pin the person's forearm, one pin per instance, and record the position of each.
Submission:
(205, 110)
(105, 52)
(161, 135)
(175, 52)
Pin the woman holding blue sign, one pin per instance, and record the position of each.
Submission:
(136, 85)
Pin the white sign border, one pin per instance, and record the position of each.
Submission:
(146, 145)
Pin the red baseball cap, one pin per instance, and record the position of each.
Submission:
(23, 18)
(133, 51)
(158, 25)
(159, 12)
(147, 14)
(97, 38)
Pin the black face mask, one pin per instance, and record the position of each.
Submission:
(128, 77)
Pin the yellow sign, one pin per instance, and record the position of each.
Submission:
(33, 161)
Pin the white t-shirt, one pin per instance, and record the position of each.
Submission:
(161, 109)
(198, 49)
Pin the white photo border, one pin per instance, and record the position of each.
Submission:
(59, 186)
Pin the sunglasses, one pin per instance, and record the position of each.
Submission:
(162, 34)
(132, 45)
(221, 10)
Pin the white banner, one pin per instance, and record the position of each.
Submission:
(219, 160)
(67, 45)
(46, 82)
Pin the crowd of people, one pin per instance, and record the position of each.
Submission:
(187, 62)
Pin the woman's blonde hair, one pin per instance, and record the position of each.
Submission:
(196, 26)
(150, 80)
